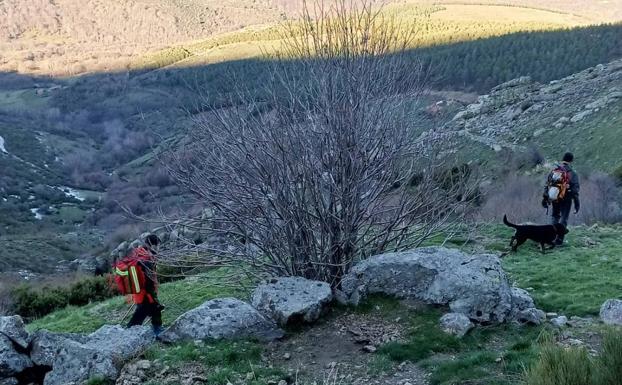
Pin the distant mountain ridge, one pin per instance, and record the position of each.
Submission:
(51, 35)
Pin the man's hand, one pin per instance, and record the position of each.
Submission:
(545, 202)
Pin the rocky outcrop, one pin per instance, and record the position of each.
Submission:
(292, 299)
(12, 362)
(560, 321)
(521, 109)
(13, 328)
(45, 346)
(456, 323)
(224, 318)
(102, 354)
(471, 284)
(474, 285)
(611, 312)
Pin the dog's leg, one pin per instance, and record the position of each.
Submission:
(542, 247)
(512, 240)
(519, 241)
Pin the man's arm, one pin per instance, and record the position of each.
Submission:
(574, 190)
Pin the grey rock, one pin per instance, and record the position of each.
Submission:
(474, 285)
(76, 363)
(531, 316)
(224, 318)
(12, 362)
(560, 321)
(45, 346)
(102, 354)
(521, 300)
(561, 122)
(521, 81)
(292, 299)
(13, 328)
(456, 323)
(581, 115)
(611, 312)
(599, 103)
(9, 381)
(460, 115)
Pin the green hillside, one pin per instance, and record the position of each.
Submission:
(573, 281)
(97, 132)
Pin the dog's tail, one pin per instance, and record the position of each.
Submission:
(507, 223)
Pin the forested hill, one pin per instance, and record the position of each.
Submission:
(482, 64)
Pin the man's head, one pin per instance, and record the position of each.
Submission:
(152, 241)
(568, 157)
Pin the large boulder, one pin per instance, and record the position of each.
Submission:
(224, 318)
(292, 299)
(474, 285)
(456, 323)
(13, 328)
(12, 362)
(611, 312)
(102, 354)
(45, 346)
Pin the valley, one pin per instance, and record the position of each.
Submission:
(326, 191)
(100, 131)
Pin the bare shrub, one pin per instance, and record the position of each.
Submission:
(600, 200)
(312, 174)
(517, 196)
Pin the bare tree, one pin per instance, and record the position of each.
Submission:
(324, 166)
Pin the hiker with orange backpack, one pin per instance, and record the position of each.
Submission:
(562, 190)
(135, 275)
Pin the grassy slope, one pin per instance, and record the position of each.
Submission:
(574, 280)
(178, 297)
(594, 141)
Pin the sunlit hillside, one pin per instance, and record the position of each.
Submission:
(70, 37)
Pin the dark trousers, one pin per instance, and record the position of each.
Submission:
(144, 310)
(561, 212)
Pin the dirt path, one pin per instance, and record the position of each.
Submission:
(338, 350)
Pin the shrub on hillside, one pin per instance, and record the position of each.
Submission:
(32, 302)
(573, 366)
(608, 370)
(561, 366)
(600, 198)
(519, 197)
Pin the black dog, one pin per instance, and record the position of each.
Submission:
(542, 234)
